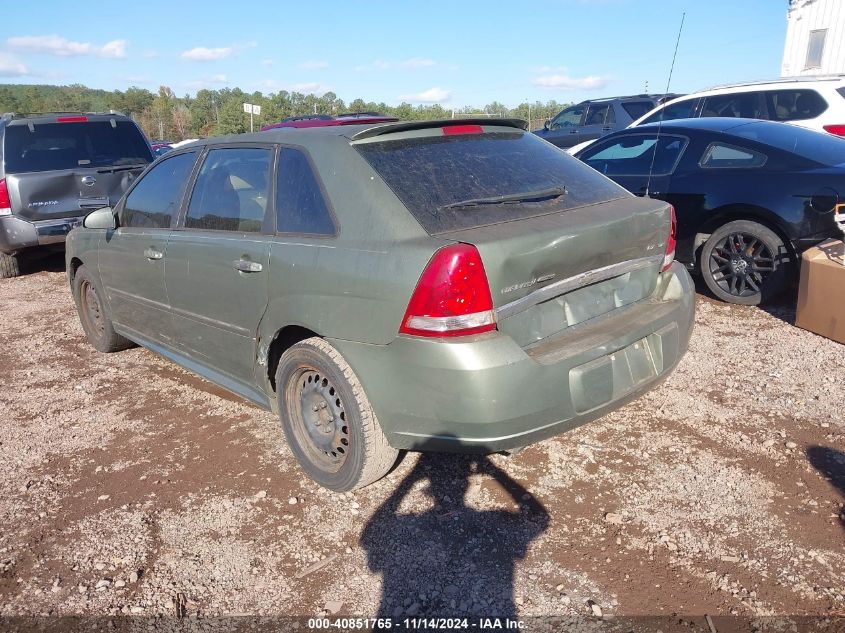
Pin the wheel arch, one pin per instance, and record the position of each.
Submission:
(734, 212)
(282, 340)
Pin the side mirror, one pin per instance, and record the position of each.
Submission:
(100, 219)
(546, 124)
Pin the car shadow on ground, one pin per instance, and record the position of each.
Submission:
(831, 464)
(451, 559)
(53, 262)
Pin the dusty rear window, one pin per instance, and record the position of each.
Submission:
(50, 146)
(430, 173)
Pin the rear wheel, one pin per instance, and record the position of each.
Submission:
(745, 262)
(93, 316)
(9, 266)
(327, 418)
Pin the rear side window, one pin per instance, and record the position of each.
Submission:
(231, 191)
(794, 105)
(681, 110)
(746, 105)
(301, 206)
(153, 201)
(729, 156)
(635, 155)
(430, 173)
(636, 109)
(823, 149)
(51, 146)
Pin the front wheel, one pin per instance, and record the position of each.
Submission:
(93, 316)
(327, 418)
(744, 262)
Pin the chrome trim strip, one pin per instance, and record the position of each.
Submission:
(576, 281)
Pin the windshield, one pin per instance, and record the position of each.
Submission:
(50, 146)
(818, 147)
(430, 174)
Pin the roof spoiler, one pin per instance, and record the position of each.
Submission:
(408, 126)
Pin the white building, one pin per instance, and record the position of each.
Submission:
(815, 38)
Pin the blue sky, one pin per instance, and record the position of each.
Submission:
(454, 53)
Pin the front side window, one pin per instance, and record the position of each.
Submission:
(673, 111)
(815, 49)
(635, 155)
(231, 191)
(301, 206)
(568, 118)
(721, 155)
(155, 199)
(794, 105)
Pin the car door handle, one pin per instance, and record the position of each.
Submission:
(153, 254)
(573, 131)
(606, 128)
(246, 266)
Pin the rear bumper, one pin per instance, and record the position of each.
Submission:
(17, 234)
(486, 393)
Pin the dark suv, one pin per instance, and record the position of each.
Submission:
(594, 118)
(55, 168)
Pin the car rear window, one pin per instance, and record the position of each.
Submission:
(49, 146)
(817, 147)
(428, 173)
(794, 105)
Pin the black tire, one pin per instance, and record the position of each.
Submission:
(746, 263)
(93, 314)
(9, 266)
(327, 418)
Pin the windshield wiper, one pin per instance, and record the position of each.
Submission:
(111, 170)
(511, 198)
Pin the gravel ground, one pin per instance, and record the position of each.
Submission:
(130, 486)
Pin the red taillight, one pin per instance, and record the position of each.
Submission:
(837, 130)
(71, 119)
(669, 254)
(452, 130)
(5, 205)
(452, 297)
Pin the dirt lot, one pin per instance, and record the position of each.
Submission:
(130, 486)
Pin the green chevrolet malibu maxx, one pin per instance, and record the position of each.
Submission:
(440, 285)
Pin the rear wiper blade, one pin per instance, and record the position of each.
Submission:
(110, 170)
(511, 198)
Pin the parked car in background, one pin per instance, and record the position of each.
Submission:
(817, 104)
(160, 148)
(594, 118)
(750, 196)
(501, 294)
(55, 168)
(326, 120)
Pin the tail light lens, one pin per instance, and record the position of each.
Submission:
(669, 255)
(5, 205)
(452, 297)
(71, 119)
(836, 130)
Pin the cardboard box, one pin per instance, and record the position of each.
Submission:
(821, 295)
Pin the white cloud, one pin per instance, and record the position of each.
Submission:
(432, 95)
(310, 88)
(203, 54)
(314, 64)
(63, 47)
(12, 67)
(205, 82)
(565, 82)
(413, 63)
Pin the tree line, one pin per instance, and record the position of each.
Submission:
(164, 115)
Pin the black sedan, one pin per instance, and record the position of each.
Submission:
(750, 195)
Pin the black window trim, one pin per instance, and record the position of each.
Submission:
(738, 148)
(683, 138)
(177, 212)
(268, 227)
(326, 199)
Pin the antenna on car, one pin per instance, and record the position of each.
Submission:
(660, 122)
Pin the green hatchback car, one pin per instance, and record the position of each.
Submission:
(441, 285)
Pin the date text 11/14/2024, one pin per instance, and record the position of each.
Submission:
(416, 624)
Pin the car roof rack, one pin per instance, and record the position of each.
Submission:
(781, 80)
(408, 126)
(22, 115)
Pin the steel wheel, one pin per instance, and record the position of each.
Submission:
(740, 264)
(319, 419)
(92, 311)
